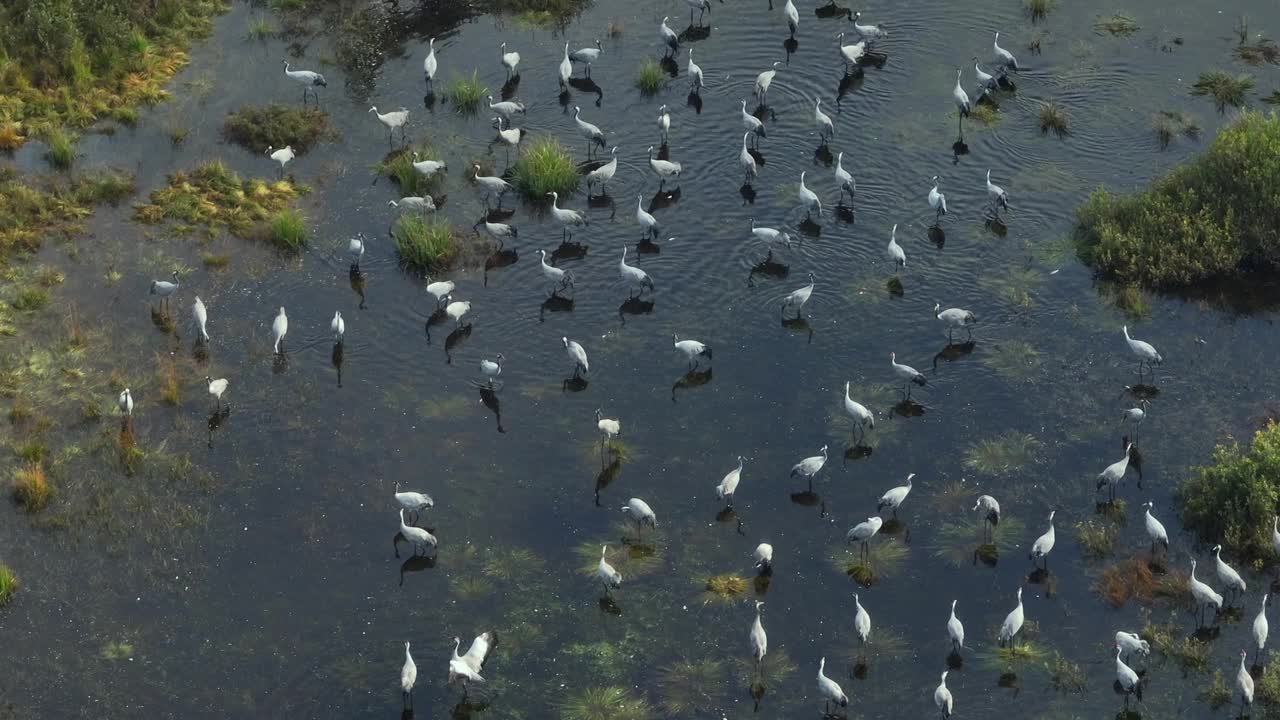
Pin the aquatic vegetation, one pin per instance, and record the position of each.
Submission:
(727, 587)
(167, 379)
(1002, 455)
(8, 585)
(632, 559)
(288, 230)
(1096, 539)
(544, 166)
(967, 543)
(117, 650)
(1217, 694)
(260, 28)
(1261, 50)
(1064, 675)
(1128, 579)
(11, 137)
(29, 299)
(777, 667)
(1014, 286)
(1037, 9)
(427, 244)
(1168, 124)
(985, 114)
(1267, 687)
(398, 165)
(541, 13)
(615, 28)
(1118, 24)
(1173, 233)
(1053, 118)
(1224, 88)
(1171, 642)
(466, 93)
(61, 152)
(884, 558)
(510, 564)
(687, 685)
(603, 660)
(605, 703)
(212, 196)
(177, 134)
(1014, 360)
(1232, 500)
(649, 77)
(257, 128)
(215, 261)
(31, 489)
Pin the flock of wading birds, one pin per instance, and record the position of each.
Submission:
(465, 668)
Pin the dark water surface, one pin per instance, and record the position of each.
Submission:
(280, 594)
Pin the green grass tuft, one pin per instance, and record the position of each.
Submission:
(61, 152)
(605, 703)
(1261, 50)
(31, 488)
(984, 114)
(288, 230)
(8, 585)
(1004, 455)
(30, 299)
(649, 77)
(275, 125)
(1037, 9)
(260, 28)
(1096, 538)
(429, 245)
(1054, 119)
(1224, 88)
(545, 166)
(398, 165)
(1168, 124)
(1118, 24)
(215, 261)
(466, 93)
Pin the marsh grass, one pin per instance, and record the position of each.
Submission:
(1262, 50)
(61, 151)
(1064, 675)
(1217, 694)
(31, 488)
(1168, 124)
(605, 703)
(649, 77)
(686, 685)
(1273, 98)
(116, 650)
(1002, 455)
(545, 166)
(1096, 539)
(8, 584)
(398, 166)
(1268, 686)
(1171, 642)
(1053, 118)
(1037, 10)
(725, 587)
(1125, 580)
(178, 134)
(211, 197)
(288, 230)
(215, 261)
(30, 299)
(258, 128)
(466, 93)
(167, 380)
(615, 28)
(429, 245)
(1224, 88)
(965, 543)
(1128, 298)
(260, 28)
(884, 559)
(985, 114)
(1116, 24)
(632, 559)
(1014, 360)
(11, 137)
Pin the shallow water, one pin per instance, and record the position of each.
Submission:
(277, 593)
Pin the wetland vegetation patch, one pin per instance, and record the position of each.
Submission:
(8, 584)
(430, 245)
(33, 211)
(212, 197)
(1225, 88)
(258, 128)
(545, 166)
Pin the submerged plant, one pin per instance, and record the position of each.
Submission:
(1261, 50)
(968, 543)
(545, 166)
(258, 129)
(633, 559)
(726, 587)
(465, 93)
(649, 77)
(426, 244)
(884, 557)
(1171, 641)
(1066, 676)
(1233, 500)
(31, 488)
(985, 114)
(1053, 118)
(1224, 88)
(1118, 24)
(8, 585)
(1014, 360)
(1002, 455)
(1037, 9)
(687, 685)
(1217, 694)
(1096, 539)
(605, 703)
(1168, 124)
(260, 28)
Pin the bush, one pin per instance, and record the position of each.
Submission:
(465, 93)
(428, 245)
(1234, 500)
(31, 488)
(259, 128)
(1223, 88)
(8, 584)
(545, 166)
(649, 78)
(1215, 216)
(288, 230)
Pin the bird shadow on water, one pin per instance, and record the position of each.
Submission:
(609, 607)
(790, 46)
(279, 363)
(416, 563)
(844, 213)
(694, 101)
(634, 306)
(664, 199)
(489, 398)
(955, 661)
(909, 408)
(587, 85)
(216, 419)
(996, 226)
(822, 155)
(831, 10)
(693, 33)
(606, 476)
(810, 228)
(857, 452)
(769, 268)
(748, 194)
(510, 87)
(850, 82)
(648, 247)
(358, 283)
(555, 303)
(799, 325)
(455, 338)
(669, 66)
(569, 250)
(807, 498)
(603, 200)
(467, 707)
(575, 384)
(692, 379)
(435, 318)
(937, 236)
(953, 352)
(499, 259)
(336, 359)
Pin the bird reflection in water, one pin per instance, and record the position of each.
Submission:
(489, 398)
(215, 421)
(954, 351)
(695, 101)
(832, 10)
(769, 268)
(336, 358)
(858, 452)
(607, 475)
(510, 87)
(586, 85)
(568, 250)
(790, 46)
(634, 306)
(455, 338)
(997, 227)
(577, 383)
(909, 408)
(358, 282)
(467, 707)
(822, 155)
(692, 379)
(555, 303)
(849, 82)
(416, 563)
(499, 259)
(810, 228)
(664, 199)
(937, 237)
(434, 318)
(648, 247)
(799, 325)
(669, 66)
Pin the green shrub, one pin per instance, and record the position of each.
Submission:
(649, 77)
(1217, 215)
(61, 152)
(398, 165)
(1234, 500)
(8, 584)
(465, 93)
(429, 245)
(543, 167)
(288, 229)
(259, 128)
(1224, 88)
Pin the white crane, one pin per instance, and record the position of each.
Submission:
(508, 136)
(307, 79)
(279, 328)
(961, 99)
(955, 630)
(990, 508)
(163, 288)
(770, 236)
(284, 156)
(491, 368)
(647, 221)
(428, 167)
(1244, 681)
(216, 389)
(429, 64)
(413, 501)
(1114, 473)
(763, 81)
(692, 350)
(996, 195)
(1144, 350)
(863, 532)
(577, 356)
(747, 160)
(201, 317)
(862, 417)
(1135, 415)
(1128, 679)
(633, 275)
(566, 68)
(392, 120)
(870, 32)
(500, 231)
(851, 54)
(1261, 629)
(419, 203)
(763, 556)
(752, 124)
(810, 466)
(793, 17)
(1275, 535)
(821, 120)
(416, 536)
(492, 185)
(669, 37)
(456, 309)
(640, 513)
(729, 484)
(338, 327)
(845, 179)
(694, 71)
(506, 108)
(408, 677)
(861, 621)
(986, 82)
(1043, 545)
(893, 498)
(906, 374)
(1012, 623)
(1227, 575)
(608, 576)
(466, 668)
(1004, 59)
(355, 249)
(1203, 594)
(664, 123)
(439, 289)
(510, 61)
(609, 428)
(566, 217)
(605, 172)
(797, 298)
(593, 135)
(829, 689)
(942, 697)
(125, 402)
(1132, 643)
(894, 250)
(664, 169)
(955, 318)
(759, 641)
(809, 198)
(559, 278)
(937, 200)
(587, 55)
(1155, 530)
